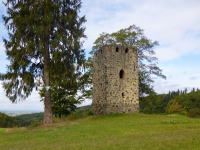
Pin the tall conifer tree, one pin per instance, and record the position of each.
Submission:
(44, 47)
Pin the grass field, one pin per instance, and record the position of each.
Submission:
(112, 132)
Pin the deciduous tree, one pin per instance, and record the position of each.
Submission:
(134, 37)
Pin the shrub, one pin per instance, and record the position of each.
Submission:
(188, 103)
(158, 103)
(176, 108)
(153, 104)
(194, 112)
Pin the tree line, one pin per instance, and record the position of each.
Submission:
(167, 103)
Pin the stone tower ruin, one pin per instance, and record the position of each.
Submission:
(115, 80)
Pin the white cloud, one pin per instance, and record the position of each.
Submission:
(172, 22)
(178, 77)
(32, 103)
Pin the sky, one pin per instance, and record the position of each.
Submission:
(175, 24)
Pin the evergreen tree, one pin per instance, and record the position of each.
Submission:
(44, 48)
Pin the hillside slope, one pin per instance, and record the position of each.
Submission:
(6, 121)
(112, 132)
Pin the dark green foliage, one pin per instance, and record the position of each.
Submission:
(35, 119)
(20, 121)
(145, 84)
(62, 105)
(7, 121)
(158, 103)
(153, 104)
(65, 102)
(44, 48)
(65, 98)
(28, 119)
(86, 80)
(179, 101)
(188, 103)
(134, 37)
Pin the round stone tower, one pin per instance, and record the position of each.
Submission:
(115, 80)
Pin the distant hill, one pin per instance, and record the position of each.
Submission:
(84, 109)
(7, 121)
(17, 113)
(26, 119)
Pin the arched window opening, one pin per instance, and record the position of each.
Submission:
(117, 49)
(123, 95)
(121, 74)
(126, 50)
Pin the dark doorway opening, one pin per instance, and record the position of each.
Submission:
(123, 95)
(117, 49)
(121, 74)
(126, 50)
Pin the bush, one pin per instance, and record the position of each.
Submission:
(153, 104)
(176, 108)
(186, 103)
(158, 103)
(194, 112)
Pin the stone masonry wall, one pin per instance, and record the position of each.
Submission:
(115, 80)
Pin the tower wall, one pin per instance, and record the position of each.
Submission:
(115, 80)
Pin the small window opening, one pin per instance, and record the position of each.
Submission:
(117, 49)
(121, 74)
(126, 50)
(135, 68)
(123, 95)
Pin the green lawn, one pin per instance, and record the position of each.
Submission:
(112, 132)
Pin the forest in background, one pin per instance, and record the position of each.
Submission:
(181, 101)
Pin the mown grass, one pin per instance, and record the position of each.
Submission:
(111, 132)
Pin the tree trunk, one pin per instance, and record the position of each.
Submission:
(48, 116)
